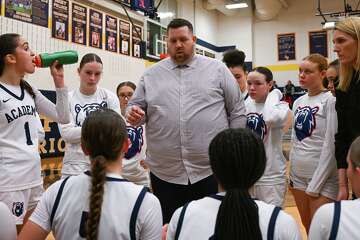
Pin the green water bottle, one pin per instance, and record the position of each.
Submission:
(46, 59)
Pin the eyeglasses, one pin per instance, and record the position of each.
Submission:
(124, 96)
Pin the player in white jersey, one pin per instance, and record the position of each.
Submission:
(339, 220)
(313, 174)
(238, 160)
(133, 164)
(20, 178)
(84, 100)
(267, 116)
(113, 208)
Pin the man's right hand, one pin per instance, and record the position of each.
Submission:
(135, 115)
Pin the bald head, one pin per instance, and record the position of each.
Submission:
(354, 152)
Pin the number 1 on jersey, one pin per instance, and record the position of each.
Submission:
(27, 133)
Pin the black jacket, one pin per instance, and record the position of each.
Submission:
(348, 113)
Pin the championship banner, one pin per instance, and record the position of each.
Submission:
(124, 37)
(96, 29)
(60, 19)
(53, 145)
(78, 24)
(136, 40)
(111, 37)
(35, 11)
(52, 148)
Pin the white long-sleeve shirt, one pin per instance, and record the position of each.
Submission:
(267, 120)
(313, 150)
(19, 123)
(74, 161)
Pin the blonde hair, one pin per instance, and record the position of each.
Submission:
(351, 26)
(354, 152)
(318, 59)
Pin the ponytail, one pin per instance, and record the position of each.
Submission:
(98, 171)
(238, 217)
(24, 84)
(103, 135)
(238, 160)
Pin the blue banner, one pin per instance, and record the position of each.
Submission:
(124, 37)
(111, 38)
(96, 29)
(60, 19)
(53, 145)
(286, 47)
(35, 11)
(318, 42)
(79, 19)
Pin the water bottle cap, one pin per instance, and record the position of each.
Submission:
(37, 61)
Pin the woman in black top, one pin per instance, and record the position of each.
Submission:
(346, 45)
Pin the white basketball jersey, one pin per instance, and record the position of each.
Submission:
(119, 201)
(200, 218)
(19, 123)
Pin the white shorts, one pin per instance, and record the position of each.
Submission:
(329, 190)
(21, 201)
(271, 194)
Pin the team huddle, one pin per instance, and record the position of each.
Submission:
(212, 149)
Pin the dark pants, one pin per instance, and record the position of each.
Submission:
(172, 196)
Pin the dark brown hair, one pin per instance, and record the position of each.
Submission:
(234, 58)
(103, 135)
(89, 57)
(180, 22)
(8, 44)
(128, 84)
(238, 160)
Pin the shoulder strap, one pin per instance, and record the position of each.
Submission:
(180, 222)
(57, 200)
(271, 228)
(336, 220)
(135, 212)
(217, 197)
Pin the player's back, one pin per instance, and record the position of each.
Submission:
(120, 196)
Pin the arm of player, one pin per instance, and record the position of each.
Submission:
(234, 101)
(321, 223)
(151, 209)
(38, 227)
(70, 132)
(289, 228)
(114, 103)
(171, 229)
(275, 112)
(327, 162)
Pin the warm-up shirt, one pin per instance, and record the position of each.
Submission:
(267, 120)
(75, 162)
(313, 150)
(19, 123)
(185, 107)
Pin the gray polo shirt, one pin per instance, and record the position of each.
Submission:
(185, 107)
